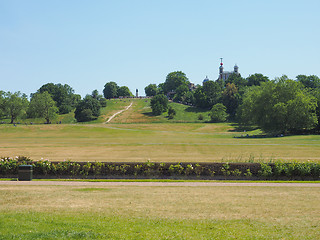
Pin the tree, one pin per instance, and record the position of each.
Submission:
(43, 106)
(218, 113)
(95, 94)
(174, 80)
(212, 91)
(180, 92)
(311, 81)
(280, 106)
(63, 95)
(237, 80)
(231, 99)
(110, 90)
(171, 112)
(200, 98)
(14, 105)
(188, 98)
(159, 104)
(124, 92)
(256, 79)
(151, 90)
(87, 109)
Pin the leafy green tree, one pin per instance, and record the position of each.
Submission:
(180, 92)
(160, 89)
(200, 98)
(151, 90)
(280, 106)
(14, 105)
(43, 106)
(231, 99)
(218, 113)
(256, 79)
(311, 81)
(171, 112)
(87, 109)
(110, 90)
(174, 80)
(95, 94)
(212, 91)
(63, 95)
(124, 92)
(188, 98)
(2, 94)
(159, 104)
(239, 81)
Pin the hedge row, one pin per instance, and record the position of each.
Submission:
(278, 170)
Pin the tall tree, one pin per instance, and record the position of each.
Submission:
(159, 104)
(174, 80)
(43, 106)
(15, 104)
(231, 99)
(124, 92)
(256, 79)
(87, 109)
(63, 95)
(311, 81)
(151, 90)
(279, 106)
(110, 90)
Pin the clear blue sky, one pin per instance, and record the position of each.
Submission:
(137, 42)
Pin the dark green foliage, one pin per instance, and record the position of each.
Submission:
(311, 81)
(63, 95)
(280, 106)
(174, 80)
(159, 104)
(151, 90)
(265, 171)
(124, 92)
(87, 109)
(256, 79)
(278, 170)
(43, 106)
(110, 90)
(218, 113)
(171, 112)
(13, 105)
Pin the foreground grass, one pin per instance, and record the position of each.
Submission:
(78, 212)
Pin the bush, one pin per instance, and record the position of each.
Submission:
(159, 104)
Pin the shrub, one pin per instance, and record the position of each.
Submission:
(225, 169)
(265, 171)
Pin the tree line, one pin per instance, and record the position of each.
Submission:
(281, 105)
(53, 99)
(276, 106)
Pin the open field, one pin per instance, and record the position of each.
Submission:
(158, 212)
(158, 142)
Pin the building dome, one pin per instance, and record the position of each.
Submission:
(205, 80)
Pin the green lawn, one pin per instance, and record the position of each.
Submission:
(159, 142)
(131, 212)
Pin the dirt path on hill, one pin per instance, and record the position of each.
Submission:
(119, 112)
(157, 184)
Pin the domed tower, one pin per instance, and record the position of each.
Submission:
(221, 70)
(205, 80)
(236, 69)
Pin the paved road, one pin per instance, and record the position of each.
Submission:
(157, 184)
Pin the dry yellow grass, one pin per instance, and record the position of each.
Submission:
(283, 205)
(155, 142)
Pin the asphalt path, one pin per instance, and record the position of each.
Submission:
(158, 184)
